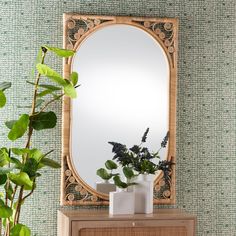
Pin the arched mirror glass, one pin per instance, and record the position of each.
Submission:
(124, 77)
(127, 72)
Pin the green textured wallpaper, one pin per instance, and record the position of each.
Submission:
(206, 112)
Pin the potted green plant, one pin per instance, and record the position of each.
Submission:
(142, 163)
(20, 166)
(106, 175)
(121, 195)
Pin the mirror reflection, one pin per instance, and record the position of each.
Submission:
(124, 77)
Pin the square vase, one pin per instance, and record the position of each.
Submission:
(105, 187)
(143, 197)
(121, 203)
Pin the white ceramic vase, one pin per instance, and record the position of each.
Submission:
(143, 195)
(121, 202)
(105, 187)
(131, 187)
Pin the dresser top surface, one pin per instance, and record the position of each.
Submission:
(98, 214)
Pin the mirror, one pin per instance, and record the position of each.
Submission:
(126, 75)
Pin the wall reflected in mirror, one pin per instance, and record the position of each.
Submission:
(124, 77)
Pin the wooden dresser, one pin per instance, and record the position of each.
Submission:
(163, 222)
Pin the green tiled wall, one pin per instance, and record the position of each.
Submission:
(206, 126)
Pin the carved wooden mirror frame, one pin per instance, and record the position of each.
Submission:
(74, 191)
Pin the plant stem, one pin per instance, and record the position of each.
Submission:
(18, 208)
(51, 101)
(6, 202)
(34, 103)
(7, 230)
(8, 181)
(30, 132)
(36, 86)
(13, 195)
(6, 233)
(28, 193)
(159, 150)
(6, 190)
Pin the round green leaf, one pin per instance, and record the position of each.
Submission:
(18, 164)
(74, 78)
(3, 179)
(3, 99)
(50, 73)
(5, 211)
(70, 90)
(128, 172)
(44, 120)
(36, 154)
(21, 179)
(19, 127)
(119, 183)
(4, 157)
(54, 76)
(30, 167)
(49, 86)
(20, 230)
(103, 174)
(61, 52)
(44, 93)
(110, 165)
(20, 151)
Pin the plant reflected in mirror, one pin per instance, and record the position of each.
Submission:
(134, 161)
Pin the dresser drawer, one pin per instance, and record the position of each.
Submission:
(163, 222)
(155, 231)
(133, 228)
